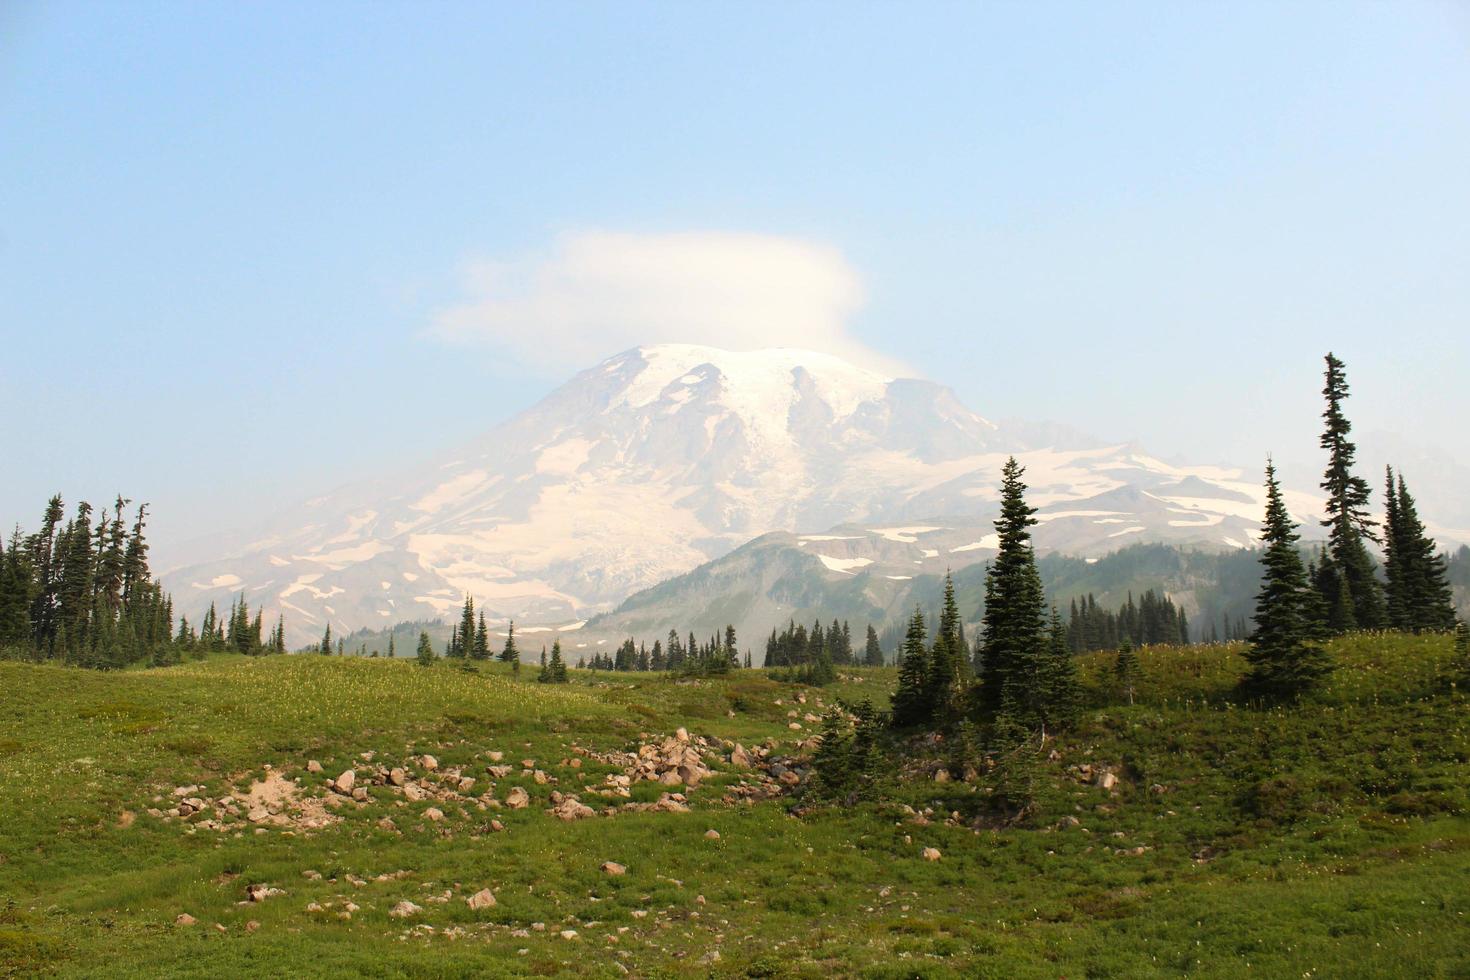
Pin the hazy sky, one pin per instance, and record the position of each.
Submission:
(251, 251)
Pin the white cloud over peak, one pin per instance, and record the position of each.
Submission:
(595, 293)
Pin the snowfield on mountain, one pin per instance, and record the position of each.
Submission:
(664, 457)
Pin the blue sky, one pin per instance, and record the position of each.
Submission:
(233, 236)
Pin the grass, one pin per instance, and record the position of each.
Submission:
(1329, 840)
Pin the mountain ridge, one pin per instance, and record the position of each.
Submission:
(664, 457)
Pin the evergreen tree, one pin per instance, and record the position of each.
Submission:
(1419, 591)
(326, 637)
(557, 668)
(942, 682)
(1061, 687)
(832, 761)
(425, 656)
(392, 653)
(911, 706)
(1347, 508)
(1460, 665)
(16, 586)
(510, 654)
(873, 654)
(1126, 669)
(1014, 774)
(44, 547)
(464, 636)
(1284, 662)
(1394, 591)
(1015, 626)
(481, 649)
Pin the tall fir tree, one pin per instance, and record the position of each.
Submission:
(873, 651)
(1015, 620)
(1061, 687)
(943, 678)
(1347, 518)
(1284, 662)
(510, 653)
(481, 649)
(1418, 591)
(911, 706)
(16, 585)
(1395, 598)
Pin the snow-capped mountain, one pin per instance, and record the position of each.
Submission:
(662, 458)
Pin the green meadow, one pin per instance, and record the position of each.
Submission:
(1327, 840)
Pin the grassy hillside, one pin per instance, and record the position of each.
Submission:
(1332, 840)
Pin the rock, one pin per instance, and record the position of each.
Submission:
(434, 814)
(711, 834)
(314, 907)
(497, 826)
(613, 868)
(794, 726)
(569, 934)
(570, 808)
(344, 783)
(314, 767)
(682, 734)
(741, 758)
(1158, 789)
(518, 798)
(466, 783)
(482, 899)
(931, 854)
(1067, 822)
(405, 909)
(259, 893)
(498, 772)
(397, 777)
(258, 814)
(387, 824)
(669, 803)
(252, 925)
(185, 919)
(941, 776)
(428, 763)
(495, 756)
(1106, 780)
(528, 763)
(639, 913)
(413, 792)
(540, 777)
(360, 794)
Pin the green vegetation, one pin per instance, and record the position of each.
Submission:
(1332, 837)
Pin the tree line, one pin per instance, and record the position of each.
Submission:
(81, 593)
(1153, 620)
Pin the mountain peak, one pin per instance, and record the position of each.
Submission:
(653, 462)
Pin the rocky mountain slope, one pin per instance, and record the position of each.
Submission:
(662, 458)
